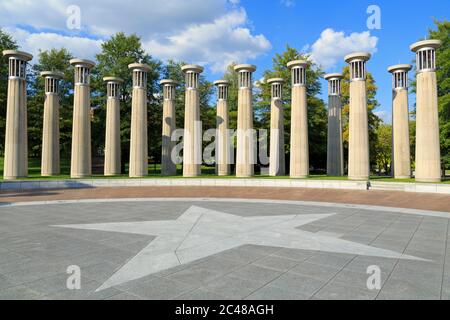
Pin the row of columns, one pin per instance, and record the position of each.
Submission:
(427, 122)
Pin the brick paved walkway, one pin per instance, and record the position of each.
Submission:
(422, 201)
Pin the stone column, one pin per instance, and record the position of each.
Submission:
(335, 152)
(277, 157)
(299, 162)
(138, 166)
(16, 144)
(81, 126)
(358, 148)
(245, 153)
(168, 167)
(428, 154)
(222, 138)
(50, 162)
(192, 141)
(400, 122)
(112, 137)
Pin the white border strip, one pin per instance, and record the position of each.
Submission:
(14, 186)
(441, 214)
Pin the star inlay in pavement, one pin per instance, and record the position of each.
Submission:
(200, 232)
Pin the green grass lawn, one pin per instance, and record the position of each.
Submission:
(34, 173)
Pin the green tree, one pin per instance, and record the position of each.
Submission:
(383, 150)
(117, 53)
(373, 119)
(50, 60)
(317, 113)
(6, 42)
(442, 32)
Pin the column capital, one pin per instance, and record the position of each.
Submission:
(298, 64)
(21, 55)
(245, 67)
(192, 68)
(273, 81)
(357, 56)
(113, 79)
(139, 66)
(334, 83)
(333, 76)
(52, 74)
(221, 83)
(400, 75)
(82, 63)
(399, 68)
(168, 82)
(425, 44)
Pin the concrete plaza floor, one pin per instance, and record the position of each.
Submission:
(221, 249)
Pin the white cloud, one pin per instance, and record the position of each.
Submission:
(333, 46)
(212, 32)
(385, 116)
(33, 42)
(218, 43)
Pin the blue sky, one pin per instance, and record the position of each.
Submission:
(216, 32)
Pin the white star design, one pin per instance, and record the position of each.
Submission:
(200, 232)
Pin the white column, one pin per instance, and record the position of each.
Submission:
(245, 153)
(299, 162)
(16, 140)
(138, 166)
(81, 127)
(400, 122)
(358, 147)
(50, 162)
(112, 136)
(277, 156)
(168, 166)
(335, 153)
(428, 153)
(192, 146)
(223, 151)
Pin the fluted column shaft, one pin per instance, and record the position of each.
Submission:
(81, 163)
(112, 137)
(400, 132)
(223, 143)
(168, 166)
(358, 150)
(192, 135)
(277, 156)
(245, 153)
(50, 136)
(428, 153)
(192, 140)
(16, 139)
(335, 154)
(139, 141)
(299, 134)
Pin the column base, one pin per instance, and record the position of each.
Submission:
(299, 177)
(402, 177)
(14, 177)
(428, 180)
(111, 174)
(361, 178)
(50, 174)
(80, 176)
